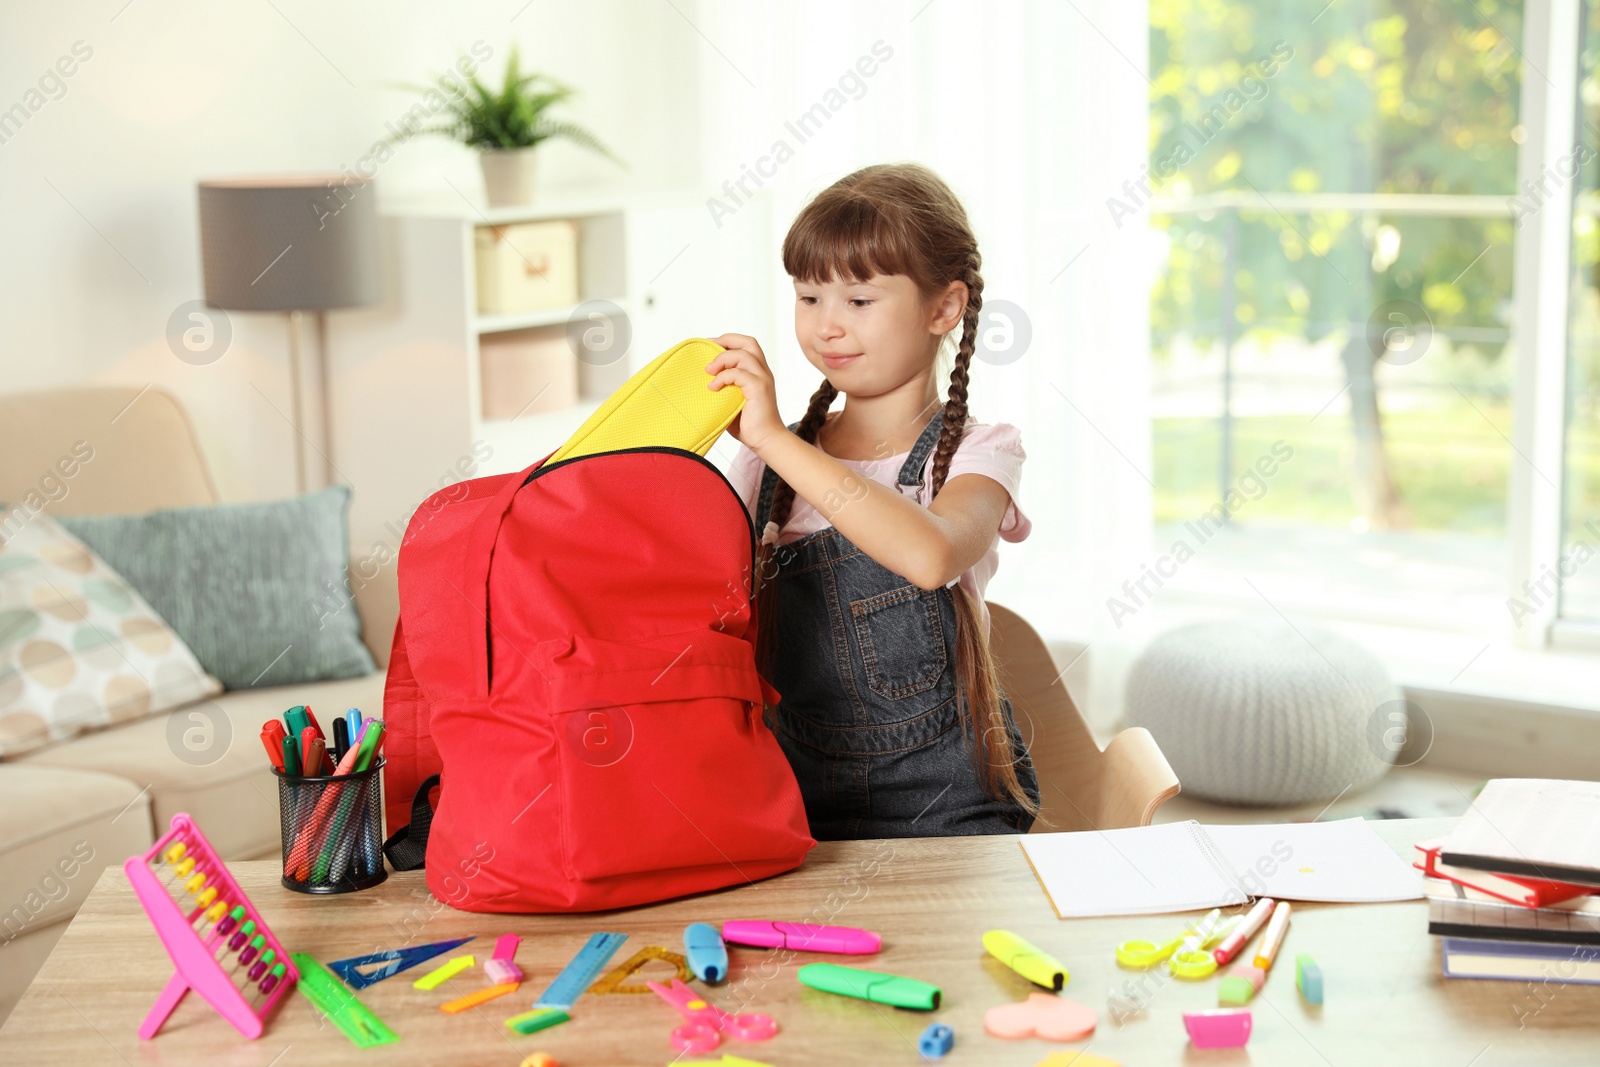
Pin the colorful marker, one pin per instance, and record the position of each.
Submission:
(807, 937)
(1244, 931)
(272, 736)
(706, 952)
(875, 986)
(1272, 940)
(1028, 960)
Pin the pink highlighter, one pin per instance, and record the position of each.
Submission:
(807, 937)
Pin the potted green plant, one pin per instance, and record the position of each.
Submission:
(507, 126)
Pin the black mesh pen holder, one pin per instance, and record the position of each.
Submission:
(332, 830)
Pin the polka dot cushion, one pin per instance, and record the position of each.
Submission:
(79, 650)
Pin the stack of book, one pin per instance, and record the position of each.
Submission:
(1512, 891)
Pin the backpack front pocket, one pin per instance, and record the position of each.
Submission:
(664, 761)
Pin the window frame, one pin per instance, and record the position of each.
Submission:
(1541, 300)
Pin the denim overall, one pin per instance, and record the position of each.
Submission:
(866, 665)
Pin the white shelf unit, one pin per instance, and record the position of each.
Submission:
(405, 376)
(602, 275)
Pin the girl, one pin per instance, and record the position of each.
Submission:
(879, 523)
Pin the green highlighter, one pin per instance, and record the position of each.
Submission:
(875, 986)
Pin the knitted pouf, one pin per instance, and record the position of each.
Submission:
(1255, 711)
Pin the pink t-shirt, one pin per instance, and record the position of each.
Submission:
(991, 449)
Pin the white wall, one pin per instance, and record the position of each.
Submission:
(100, 240)
(1034, 111)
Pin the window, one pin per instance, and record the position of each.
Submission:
(1333, 355)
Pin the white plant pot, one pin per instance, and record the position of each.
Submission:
(508, 175)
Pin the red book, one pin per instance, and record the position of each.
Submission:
(1514, 889)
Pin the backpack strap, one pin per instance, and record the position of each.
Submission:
(407, 848)
(477, 550)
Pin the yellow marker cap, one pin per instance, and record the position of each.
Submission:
(1033, 963)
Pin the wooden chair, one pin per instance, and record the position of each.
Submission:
(1081, 787)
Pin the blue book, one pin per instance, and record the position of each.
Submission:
(1467, 957)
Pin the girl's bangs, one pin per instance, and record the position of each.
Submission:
(848, 240)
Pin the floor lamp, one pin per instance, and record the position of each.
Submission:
(292, 244)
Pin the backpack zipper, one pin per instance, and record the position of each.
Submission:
(749, 523)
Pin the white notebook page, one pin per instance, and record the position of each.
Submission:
(1343, 861)
(1166, 868)
(1137, 871)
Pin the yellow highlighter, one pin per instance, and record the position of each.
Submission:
(1033, 963)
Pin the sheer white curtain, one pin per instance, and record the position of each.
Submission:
(1035, 113)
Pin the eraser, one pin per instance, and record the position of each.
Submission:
(936, 1040)
(1308, 978)
(502, 971)
(538, 1019)
(1242, 982)
(1218, 1029)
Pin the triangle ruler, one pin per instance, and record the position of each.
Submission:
(359, 972)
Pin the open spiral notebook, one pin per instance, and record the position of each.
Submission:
(1184, 866)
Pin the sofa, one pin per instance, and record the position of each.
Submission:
(73, 808)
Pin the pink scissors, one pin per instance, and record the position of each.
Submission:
(705, 1023)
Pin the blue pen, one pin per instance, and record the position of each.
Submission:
(708, 956)
(352, 720)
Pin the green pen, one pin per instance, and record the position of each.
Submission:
(875, 986)
(337, 833)
(369, 742)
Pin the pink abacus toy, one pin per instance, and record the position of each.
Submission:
(218, 942)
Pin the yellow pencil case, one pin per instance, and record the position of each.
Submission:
(665, 404)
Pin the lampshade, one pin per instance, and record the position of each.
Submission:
(289, 243)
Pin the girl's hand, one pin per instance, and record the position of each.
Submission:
(743, 364)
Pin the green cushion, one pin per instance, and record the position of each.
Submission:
(259, 592)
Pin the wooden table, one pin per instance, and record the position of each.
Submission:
(931, 899)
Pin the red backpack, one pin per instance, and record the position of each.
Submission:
(575, 659)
